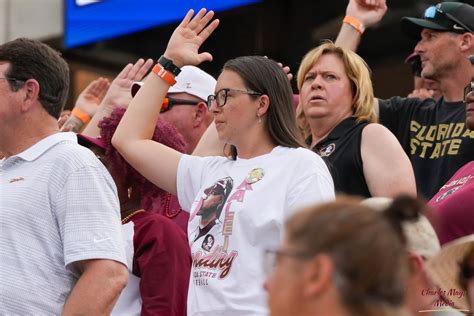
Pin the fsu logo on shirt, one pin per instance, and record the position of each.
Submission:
(326, 151)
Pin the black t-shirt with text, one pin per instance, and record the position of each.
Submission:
(433, 134)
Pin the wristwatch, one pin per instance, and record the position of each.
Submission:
(168, 65)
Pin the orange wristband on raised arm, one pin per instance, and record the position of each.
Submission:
(163, 74)
(355, 23)
(83, 116)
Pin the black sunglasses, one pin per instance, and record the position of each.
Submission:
(169, 102)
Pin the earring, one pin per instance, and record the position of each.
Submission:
(259, 119)
(129, 193)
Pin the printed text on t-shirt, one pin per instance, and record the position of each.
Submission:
(434, 141)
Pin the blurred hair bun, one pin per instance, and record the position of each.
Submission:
(404, 208)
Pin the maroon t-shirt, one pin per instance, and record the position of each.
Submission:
(162, 261)
(168, 206)
(452, 213)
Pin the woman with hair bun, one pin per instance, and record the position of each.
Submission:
(341, 258)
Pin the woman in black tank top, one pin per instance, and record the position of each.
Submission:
(337, 119)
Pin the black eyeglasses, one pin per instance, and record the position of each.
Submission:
(169, 102)
(221, 96)
(12, 79)
(42, 95)
(430, 13)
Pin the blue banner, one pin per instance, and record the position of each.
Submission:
(89, 21)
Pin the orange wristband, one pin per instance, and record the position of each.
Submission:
(355, 23)
(163, 74)
(83, 116)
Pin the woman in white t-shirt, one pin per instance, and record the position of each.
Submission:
(238, 203)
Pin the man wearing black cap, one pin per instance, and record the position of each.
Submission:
(433, 133)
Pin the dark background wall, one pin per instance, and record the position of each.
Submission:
(281, 29)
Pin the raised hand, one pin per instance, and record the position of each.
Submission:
(421, 94)
(87, 102)
(188, 37)
(63, 117)
(119, 91)
(369, 12)
(287, 71)
(90, 98)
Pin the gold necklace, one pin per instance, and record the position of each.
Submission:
(129, 216)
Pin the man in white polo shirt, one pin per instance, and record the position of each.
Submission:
(60, 237)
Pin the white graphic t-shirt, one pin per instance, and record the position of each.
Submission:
(237, 207)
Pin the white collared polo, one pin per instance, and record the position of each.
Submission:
(58, 206)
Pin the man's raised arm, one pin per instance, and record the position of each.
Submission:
(360, 15)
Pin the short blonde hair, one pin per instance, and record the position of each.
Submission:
(359, 75)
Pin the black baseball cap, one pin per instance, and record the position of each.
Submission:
(454, 17)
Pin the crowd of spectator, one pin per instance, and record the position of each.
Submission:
(169, 192)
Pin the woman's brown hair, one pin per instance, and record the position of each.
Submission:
(367, 248)
(264, 76)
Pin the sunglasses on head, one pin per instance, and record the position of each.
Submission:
(169, 102)
(433, 11)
